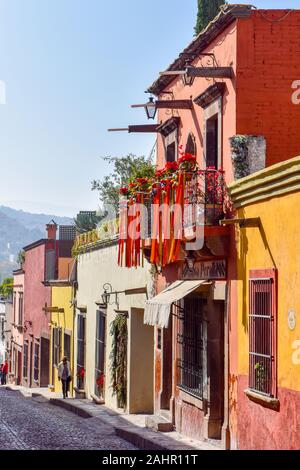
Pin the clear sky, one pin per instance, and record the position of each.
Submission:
(71, 69)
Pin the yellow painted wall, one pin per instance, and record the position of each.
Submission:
(61, 297)
(275, 245)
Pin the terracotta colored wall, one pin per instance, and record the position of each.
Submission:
(36, 295)
(268, 57)
(64, 267)
(224, 48)
(260, 428)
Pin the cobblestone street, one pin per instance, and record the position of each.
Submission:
(34, 424)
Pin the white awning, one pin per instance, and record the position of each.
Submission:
(158, 309)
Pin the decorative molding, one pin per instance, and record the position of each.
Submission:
(210, 94)
(169, 126)
(276, 180)
(227, 16)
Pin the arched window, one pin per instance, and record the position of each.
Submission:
(191, 145)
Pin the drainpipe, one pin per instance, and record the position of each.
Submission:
(225, 427)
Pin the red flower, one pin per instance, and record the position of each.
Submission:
(124, 191)
(100, 380)
(187, 158)
(160, 173)
(171, 166)
(81, 372)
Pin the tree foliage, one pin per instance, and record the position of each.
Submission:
(125, 170)
(118, 358)
(7, 287)
(21, 257)
(207, 11)
(88, 221)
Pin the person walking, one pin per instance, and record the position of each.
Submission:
(1, 365)
(4, 372)
(64, 375)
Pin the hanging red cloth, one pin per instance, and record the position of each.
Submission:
(178, 218)
(122, 230)
(156, 229)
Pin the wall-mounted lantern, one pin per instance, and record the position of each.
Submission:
(150, 108)
(187, 78)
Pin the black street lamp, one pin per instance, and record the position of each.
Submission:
(107, 288)
(187, 78)
(150, 108)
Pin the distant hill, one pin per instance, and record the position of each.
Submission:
(18, 229)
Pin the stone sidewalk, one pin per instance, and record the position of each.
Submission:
(129, 427)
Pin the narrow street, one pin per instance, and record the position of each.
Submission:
(34, 424)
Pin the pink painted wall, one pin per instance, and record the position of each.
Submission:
(17, 333)
(274, 433)
(224, 48)
(37, 295)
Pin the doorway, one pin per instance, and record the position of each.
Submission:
(45, 362)
(212, 142)
(19, 369)
(166, 393)
(30, 362)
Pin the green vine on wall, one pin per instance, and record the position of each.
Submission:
(239, 153)
(118, 357)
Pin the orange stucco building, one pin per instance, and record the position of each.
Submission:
(259, 51)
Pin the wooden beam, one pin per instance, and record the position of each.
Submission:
(118, 129)
(143, 128)
(172, 73)
(174, 104)
(210, 72)
(138, 128)
(250, 222)
(139, 290)
(168, 104)
(53, 310)
(206, 72)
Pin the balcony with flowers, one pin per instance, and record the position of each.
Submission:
(159, 215)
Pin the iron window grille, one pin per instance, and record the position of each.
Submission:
(20, 313)
(100, 353)
(190, 346)
(67, 345)
(25, 361)
(262, 341)
(80, 351)
(36, 362)
(56, 346)
(67, 232)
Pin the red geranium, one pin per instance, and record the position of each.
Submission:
(171, 166)
(187, 158)
(100, 380)
(124, 191)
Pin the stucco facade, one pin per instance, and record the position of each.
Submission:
(96, 268)
(272, 195)
(249, 103)
(62, 337)
(36, 320)
(17, 329)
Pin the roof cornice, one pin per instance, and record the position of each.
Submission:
(227, 15)
(276, 180)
